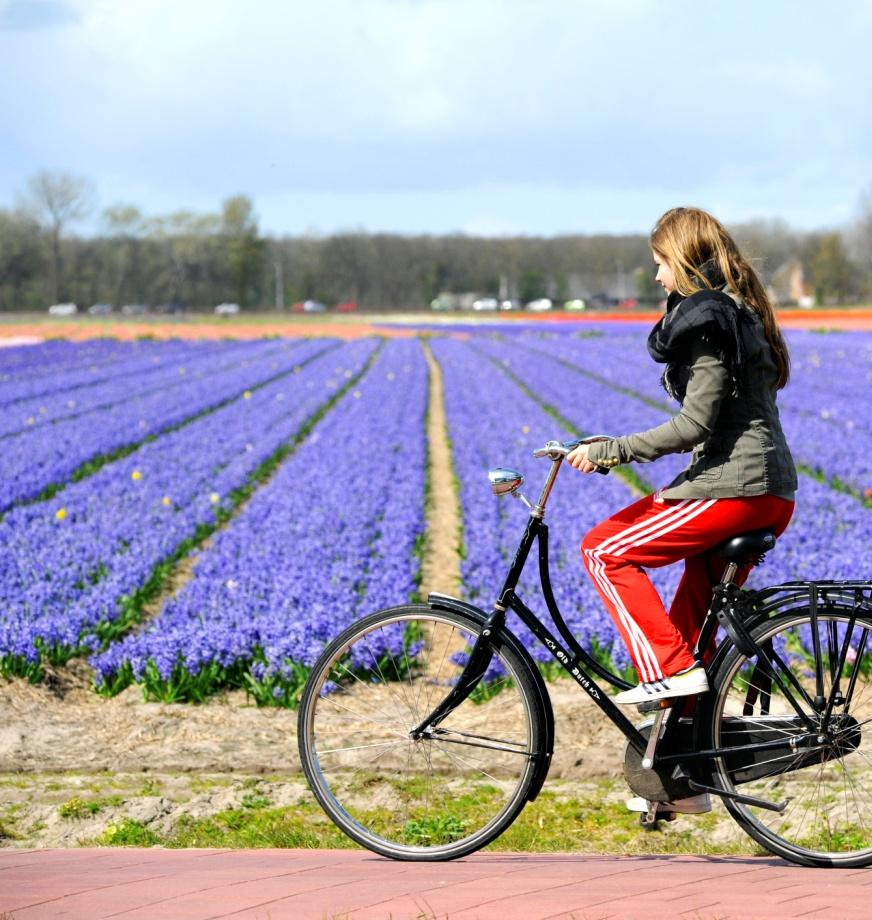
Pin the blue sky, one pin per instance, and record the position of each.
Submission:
(532, 117)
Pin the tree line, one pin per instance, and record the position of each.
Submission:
(195, 261)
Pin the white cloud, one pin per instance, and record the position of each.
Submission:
(388, 105)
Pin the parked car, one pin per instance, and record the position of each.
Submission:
(602, 301)
(63, 309)
(134, 309)
(540, 305)
(444, 301)
(486, 303)
(347, 306)
(172, 306)
(575, 304)
(227, 309)
(308, 306)
(510, 304)
(100, 309)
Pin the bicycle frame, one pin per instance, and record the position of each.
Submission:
(535, 531)
(578, 663)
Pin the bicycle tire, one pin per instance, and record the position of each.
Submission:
(438, 798)
(827, 785)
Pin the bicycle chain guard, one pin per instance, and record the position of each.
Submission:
(657, 784)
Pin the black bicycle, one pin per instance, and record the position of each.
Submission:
(425, 729)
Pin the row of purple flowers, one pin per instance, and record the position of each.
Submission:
(72, 566)
(492, 422)
(32, 371)
(828, 426)
(330, 537)
(133, 380)
(827, 538)
(45, 456)
(829, 528)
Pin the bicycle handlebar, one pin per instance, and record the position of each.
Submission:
(558, 449)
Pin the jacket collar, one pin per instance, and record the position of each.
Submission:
(709, 275)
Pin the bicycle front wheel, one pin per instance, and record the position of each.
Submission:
(808, 699)
(441, 796)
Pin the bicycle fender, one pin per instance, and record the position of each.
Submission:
(543, 758)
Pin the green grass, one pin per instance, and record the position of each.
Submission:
(556, 822)
(85, 808)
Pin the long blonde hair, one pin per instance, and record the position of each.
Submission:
(687, 238)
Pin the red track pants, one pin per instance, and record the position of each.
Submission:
(654, 532)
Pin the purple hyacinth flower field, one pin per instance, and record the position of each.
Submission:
(288, 480)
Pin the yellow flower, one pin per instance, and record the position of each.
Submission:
(214, 498)
(61, 513)
(526, 429)
(246, 394)
(136, 475)
(166, 500)
(356, 394)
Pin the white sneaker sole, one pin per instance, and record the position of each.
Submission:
(696, 805)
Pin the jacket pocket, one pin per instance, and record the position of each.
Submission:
(762, 464)
(708, 466)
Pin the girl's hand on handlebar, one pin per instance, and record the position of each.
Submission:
(577, 459)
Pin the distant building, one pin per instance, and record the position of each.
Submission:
(788, 285)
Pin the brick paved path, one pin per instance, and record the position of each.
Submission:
(91, 884)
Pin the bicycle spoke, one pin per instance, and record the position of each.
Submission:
(858, 664)
(363, 747)
(487, 747)
(442, 731)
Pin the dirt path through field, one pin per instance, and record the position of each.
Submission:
(440, 568)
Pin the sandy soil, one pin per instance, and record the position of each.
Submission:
(61, 742)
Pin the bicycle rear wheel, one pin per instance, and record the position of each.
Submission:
(439, 797)
(809, 697)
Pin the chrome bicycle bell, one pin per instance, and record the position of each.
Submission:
(504, 481)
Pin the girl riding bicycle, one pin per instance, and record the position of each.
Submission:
(725, 360)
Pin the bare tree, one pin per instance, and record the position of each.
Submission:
(124, 225)
(56, 199)
(862, 239)
(244, 248)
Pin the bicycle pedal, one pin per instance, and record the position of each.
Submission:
(655, 705)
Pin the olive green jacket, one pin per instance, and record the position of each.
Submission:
(738, 446)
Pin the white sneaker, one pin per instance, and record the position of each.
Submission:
(685, 683)
(694, 805)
